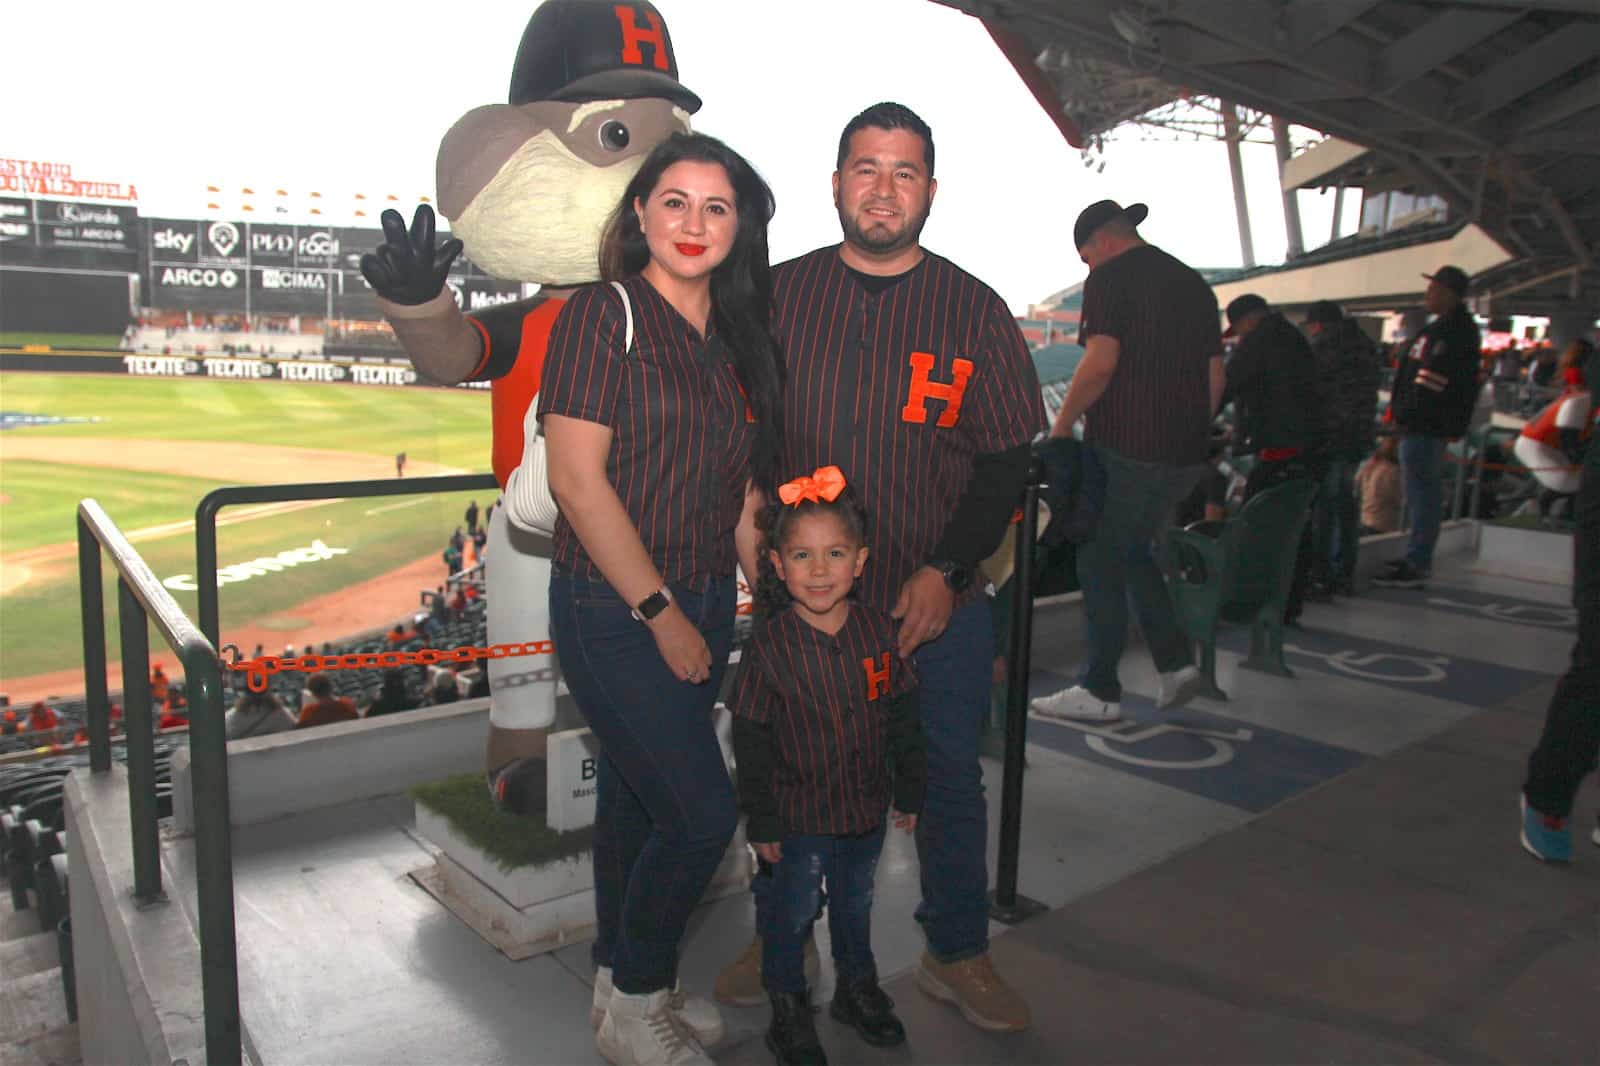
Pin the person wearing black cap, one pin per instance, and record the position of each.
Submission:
(1435, 387)
(1272, 383)
(1348, 371)
(1149, 382)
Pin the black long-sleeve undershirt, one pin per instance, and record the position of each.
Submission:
(980, 520)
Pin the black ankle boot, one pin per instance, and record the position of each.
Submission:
(792, 1036)
(866, 1007)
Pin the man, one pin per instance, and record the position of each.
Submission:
(1272, 383)
(325, 708)
(1150, 379)
(912, 377)
(1435, 387)
(1348, 373)
(1569, 746)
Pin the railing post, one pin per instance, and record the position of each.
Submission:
(213, 854)
(1477, 473)
(1005, 904)
(91, 596)
(139, 722)
(205, 566)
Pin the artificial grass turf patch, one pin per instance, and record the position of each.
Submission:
(511, 841)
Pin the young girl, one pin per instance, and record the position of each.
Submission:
(826, 733)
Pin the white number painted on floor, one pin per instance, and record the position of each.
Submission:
(1113, 740)
(1407, 669)
(1531, 614)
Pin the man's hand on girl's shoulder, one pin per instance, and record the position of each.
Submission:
(908, 822)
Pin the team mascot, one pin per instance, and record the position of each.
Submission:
(527, 187)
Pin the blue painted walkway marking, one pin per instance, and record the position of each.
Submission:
(1247, 766)
(1412, 670)
(1475, 604)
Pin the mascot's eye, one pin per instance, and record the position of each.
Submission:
(614, 136)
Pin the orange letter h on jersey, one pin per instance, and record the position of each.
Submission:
(632, 35)
(916, 409)
(877, 680)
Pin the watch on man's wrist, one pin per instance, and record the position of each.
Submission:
(956, 576)
(652, 604)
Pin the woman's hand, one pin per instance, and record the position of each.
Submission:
(772, 853)
(681, 645)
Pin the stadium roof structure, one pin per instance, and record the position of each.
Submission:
(1493, 106)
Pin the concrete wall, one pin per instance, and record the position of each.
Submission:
(138, 968)
(302, 770)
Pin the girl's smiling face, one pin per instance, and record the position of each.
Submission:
(818, 561)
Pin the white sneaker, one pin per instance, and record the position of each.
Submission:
(642, 1031)
(700, 1015)
(1180, 686)
(1076, 704)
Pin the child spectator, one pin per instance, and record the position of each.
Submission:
(1378, 483)
(821, 676)
(325, 708)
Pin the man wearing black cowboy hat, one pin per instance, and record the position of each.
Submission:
(1149, 382)
(1435, 387)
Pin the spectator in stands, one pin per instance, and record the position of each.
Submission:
(158, 686)
(43, 721)
(1378, 483)
(1552, 444)
(1544, 373)
(1347, 374)
(1435, 390)
(444, 688)
(325, 708)
(1272, 383)
(392, 697)
(398, 634)
(452, 558)
(256, 714)
(472, 518)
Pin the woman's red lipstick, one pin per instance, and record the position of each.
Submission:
(690, 249)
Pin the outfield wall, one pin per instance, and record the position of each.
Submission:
(363, 370)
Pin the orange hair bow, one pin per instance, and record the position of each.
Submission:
(825, 483)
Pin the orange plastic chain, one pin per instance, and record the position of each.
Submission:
(258, 670)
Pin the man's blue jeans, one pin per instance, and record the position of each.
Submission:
(1422, 472)
(664, 806)
(794, 895)
(1337, 527)
(1119, 565)
(953, 830)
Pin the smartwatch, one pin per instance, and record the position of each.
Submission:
(955, 575)
(652, 604)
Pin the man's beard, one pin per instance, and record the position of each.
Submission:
(878, 238)
(540, 218)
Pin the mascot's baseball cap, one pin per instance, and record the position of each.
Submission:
(580, 50)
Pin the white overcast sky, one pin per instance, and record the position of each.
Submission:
(353, 96)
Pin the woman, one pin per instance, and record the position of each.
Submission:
(1552, 442)
(660, 454)
(255, 715)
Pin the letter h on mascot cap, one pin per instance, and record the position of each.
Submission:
(528, 186)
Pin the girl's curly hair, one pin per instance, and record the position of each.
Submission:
(770, 595)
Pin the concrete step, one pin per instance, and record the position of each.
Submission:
(53, 1047)
(14, 925)
(31, 1007)
(27, 955)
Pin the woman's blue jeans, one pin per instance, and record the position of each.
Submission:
(664, 806)
(794, 893)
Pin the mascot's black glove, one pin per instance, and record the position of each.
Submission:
(407, 268)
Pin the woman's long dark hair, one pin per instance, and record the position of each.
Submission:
(741, 285)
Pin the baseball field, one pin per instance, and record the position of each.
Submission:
(149, 448)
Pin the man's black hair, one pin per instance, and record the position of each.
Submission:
(887, 116)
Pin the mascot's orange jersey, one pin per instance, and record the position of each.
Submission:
(514, 336)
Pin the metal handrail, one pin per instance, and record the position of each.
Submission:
(141, 598)
(205, 518)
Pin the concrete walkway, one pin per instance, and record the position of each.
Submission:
(1386, 916)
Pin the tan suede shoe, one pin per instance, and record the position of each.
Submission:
(982, 996)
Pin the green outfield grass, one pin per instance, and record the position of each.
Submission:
(438, 425)
(41, 630)
(14, 339)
